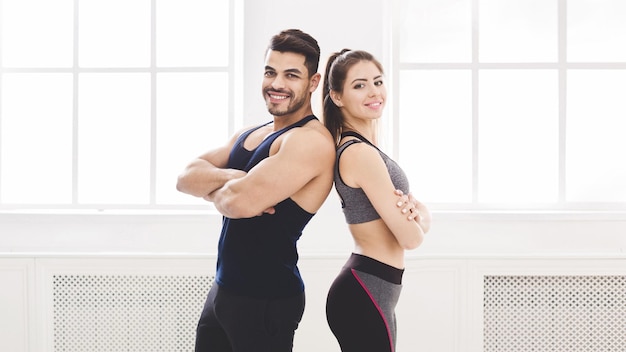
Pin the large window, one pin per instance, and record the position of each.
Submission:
(498, 104)
(514, 104)
(103, 102)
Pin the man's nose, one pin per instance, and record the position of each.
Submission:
(278, 82)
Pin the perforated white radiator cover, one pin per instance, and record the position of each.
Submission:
(555, 313)
(110, 313)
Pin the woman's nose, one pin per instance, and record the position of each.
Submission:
(374, 91)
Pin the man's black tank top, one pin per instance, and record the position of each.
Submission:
(257, 256)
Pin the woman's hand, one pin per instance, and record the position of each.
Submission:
(415, 210)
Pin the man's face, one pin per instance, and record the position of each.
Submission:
(286, 85)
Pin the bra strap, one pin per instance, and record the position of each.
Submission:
(357, 135)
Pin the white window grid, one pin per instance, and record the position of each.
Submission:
(475, 66)
(234, 62)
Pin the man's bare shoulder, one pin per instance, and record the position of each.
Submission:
(316, 131)
(311, 139)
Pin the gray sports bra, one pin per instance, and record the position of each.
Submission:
(357, 208)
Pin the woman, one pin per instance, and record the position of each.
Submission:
(372, 187)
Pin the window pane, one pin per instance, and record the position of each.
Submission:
(518, 159)
(36, 33)
(192, 32)
(596, 30)
(192, 117)
(436, 31)
(518, 31)
(114, 33)
(435, 129)
(114, 138)
(36, 139)
(596, 166)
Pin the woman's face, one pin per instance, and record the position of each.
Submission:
(364, 93)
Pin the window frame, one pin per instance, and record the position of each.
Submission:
(232, 70)
(562, 209)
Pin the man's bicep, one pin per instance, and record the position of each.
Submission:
(303, 159)
(283, 174)
(274, 179)
(206, 172)
(220, 155)
(217, 157)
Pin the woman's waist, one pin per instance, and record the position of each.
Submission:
(373, 266)
(374, 239)
(391, 258)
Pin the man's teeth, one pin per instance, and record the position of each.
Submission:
(279, 97)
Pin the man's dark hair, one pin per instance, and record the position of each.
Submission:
(296, 41)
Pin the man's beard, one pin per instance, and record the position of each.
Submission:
(295, 105)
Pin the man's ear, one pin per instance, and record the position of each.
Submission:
(315, 81)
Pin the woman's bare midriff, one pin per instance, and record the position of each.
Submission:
(375, 240)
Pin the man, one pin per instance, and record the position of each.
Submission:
(267, 181)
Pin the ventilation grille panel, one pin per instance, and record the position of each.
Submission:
(555, 313)
(110, 313)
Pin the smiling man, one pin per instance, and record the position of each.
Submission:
(267, 181)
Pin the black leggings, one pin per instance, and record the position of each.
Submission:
(361, 302)
(233, 323)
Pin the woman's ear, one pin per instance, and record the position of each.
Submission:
(336, 98)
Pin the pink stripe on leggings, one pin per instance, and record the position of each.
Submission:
(380, 311)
